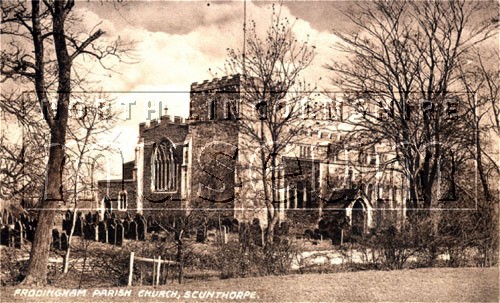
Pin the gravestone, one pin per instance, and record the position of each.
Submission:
(88, 217)
(5, 217)
(222, 234)
(20, 232)
(201, 234)
(120, 234)
(95, 232)
(103, 232)
(16, 238)
(132, 231)
(256, 233)
(30, 232)
(64, 241)
(87, 231)
(5, 236)
(107, 215)
(244, 234)
(141, 229)
(56, 241)
(111, 234)
(126, 225)
(78, 226)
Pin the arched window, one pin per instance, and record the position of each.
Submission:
(163, 168)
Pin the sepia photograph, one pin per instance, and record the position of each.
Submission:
(249, 151)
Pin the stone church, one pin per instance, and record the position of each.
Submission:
(196, 164)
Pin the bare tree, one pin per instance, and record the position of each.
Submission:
(22, 150)
(481, 115)
(273, 101)
(400, 81)
(43, 46)
(92, 118)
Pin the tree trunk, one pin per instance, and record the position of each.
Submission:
(39, 256)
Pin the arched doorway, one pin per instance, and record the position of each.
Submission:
(358, 219)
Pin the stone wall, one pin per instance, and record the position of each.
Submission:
(112, 191)
(174, 131)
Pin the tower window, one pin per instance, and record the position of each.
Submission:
(212, 109)
(122, 201)
(163, 170)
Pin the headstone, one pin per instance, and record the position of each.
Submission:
(5, 236)
(141, 229)
(222, 234)
(5, 217)
(132, 231)
(10, 219)
(201, 234)
(126, 225)
(56, 241)
(64, 241)
(120, 234)
(112, 234)
(19, 234)
(107, 215)
(95, 232)
(88, 217)
(244, 234)
(234, 227)
(87, 231)
(256, 232)
(78, 226)
(30, 232)
(103, 232)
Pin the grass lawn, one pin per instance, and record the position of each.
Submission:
(424, 285)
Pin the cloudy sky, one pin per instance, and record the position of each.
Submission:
(181, 42)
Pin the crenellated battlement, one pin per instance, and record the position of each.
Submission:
(164, 120)
(216, 83)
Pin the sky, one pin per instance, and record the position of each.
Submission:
(177, 43)
(181, 42)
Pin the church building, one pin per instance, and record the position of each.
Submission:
(196, 164)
